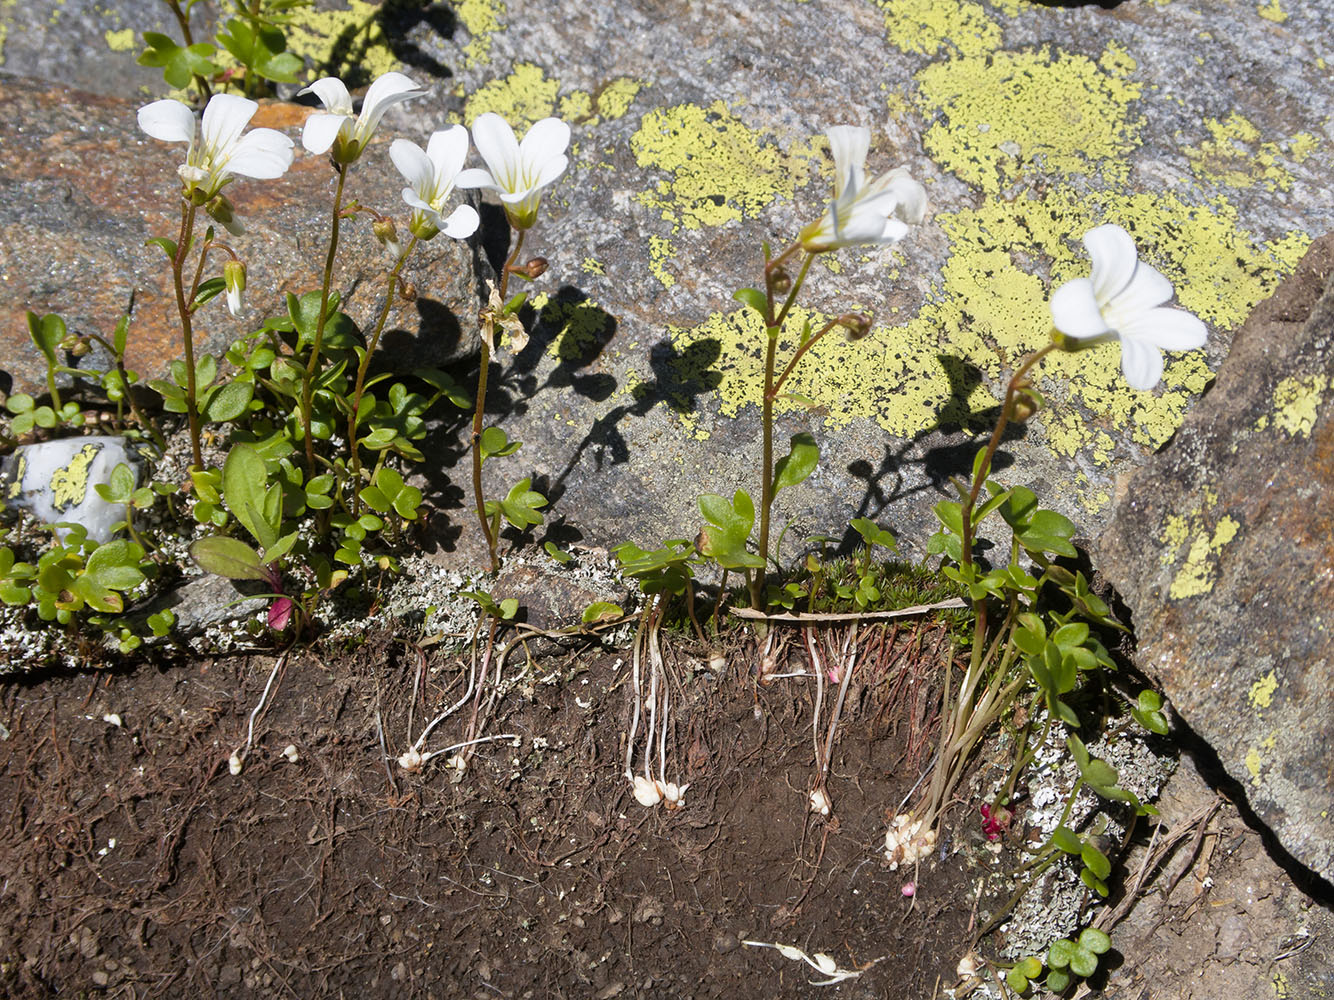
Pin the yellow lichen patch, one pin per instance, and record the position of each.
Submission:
(661, 250)
(523, 97)
(720, 169)
(20, 470)
(1235, 156)
(1176, 529)
(337, 41)
(614, 100)
(1196, 575)
(1261, 694)
(69, 484)
(1272, 10)
(1009, 113)
(592, 265)
(1296, 403)
(926, 27)
(120, 41)
(1253, 764)
(482, 19)
(895, 377)
(579, 328)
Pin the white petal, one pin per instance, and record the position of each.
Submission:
(1113, 254)
(413, 164)
(1166, 329)
(911, 196)
(386, 91)
(447, 150)
(893, 231)
(225, 118)
(462, 223)
(169, 121)
(321, 130)
(263, 153)
(849, 144)
(332, 94)
(1147, 288)
(414, 200)
(1142, 364)
(476, 177)
(551, 169)
(1074, 310)
(495, 141)
(546, 140)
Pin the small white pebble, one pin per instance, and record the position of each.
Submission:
(112, 719)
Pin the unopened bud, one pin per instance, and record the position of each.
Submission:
(233, 277)
(1026, 404)
(407, 291)
(781, 281)
(857, 325)
(76, 346)
(220, 209)
(387, 233)
(535, 268)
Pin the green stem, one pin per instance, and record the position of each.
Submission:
(187, 329)
(488, 331)
(364, 366)
(308, 378)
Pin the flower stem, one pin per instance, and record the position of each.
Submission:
(308, 378)
(488, 331)
(187, 329)
(365, 365)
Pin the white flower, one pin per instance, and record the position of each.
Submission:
(1123, 299)
(518, 171)
(233, 278)
(222, 149)
(432, 176)
(335, 126)
(861, 212)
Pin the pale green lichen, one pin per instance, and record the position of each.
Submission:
(1007, 114)
(481, 19)
(1235, 156)
(120, 41)
(719, 169)
(927, 27)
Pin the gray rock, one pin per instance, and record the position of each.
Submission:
(697, 134)
(56, 481)
(1221, 548)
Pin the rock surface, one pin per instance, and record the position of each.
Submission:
(1195, 125)
(1223, 548)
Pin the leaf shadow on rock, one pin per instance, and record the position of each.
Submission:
(396, 21)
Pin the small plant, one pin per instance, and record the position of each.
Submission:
(1067, 961)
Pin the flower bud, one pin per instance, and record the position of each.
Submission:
(75, 345)
(233, 276)
(857, 325)
(224, 213)
(535, 268)
(407, 291)
(781, 281)
(387, 233)
(1027, 403)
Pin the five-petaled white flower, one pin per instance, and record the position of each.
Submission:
(862, 212)
(335, 126)
(518, 171)
(1123, 299)
(432, 176)
(221, 149)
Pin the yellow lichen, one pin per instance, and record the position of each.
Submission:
(482, 19)
(120, 41)
(592, 265)
(1253, 764)
(1007, 114)
(1296, 403)
(69, 484)
(614, 100)
(1272, 10)
(1196, 576)
(926, 27)
(343, 43)
(1235, 156)
(1261, 694)
(523, 97)
(720, 169)
(659, 251)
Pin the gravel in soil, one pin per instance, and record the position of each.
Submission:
(136, 863)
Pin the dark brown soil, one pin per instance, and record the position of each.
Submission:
(135, 863)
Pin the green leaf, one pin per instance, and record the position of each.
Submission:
(1083, 962)
(1099, 774)
(1016, 980)
(1095, 861)
(246, 490)
(556, 553)
(1078, 751)
(165, 245)
(46, 333)
(495, 443)
(601, 611)
(209, 289)
(227, 402)
(1065, 839)
(279, 548)
(873, 534)
(229, 557)
(798, 463)
(724, 538)
(1094, 940)
(1058, 955)
(520, 506)
(179, 65)
(950, 514)
(755, 299)
(1058, 980)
